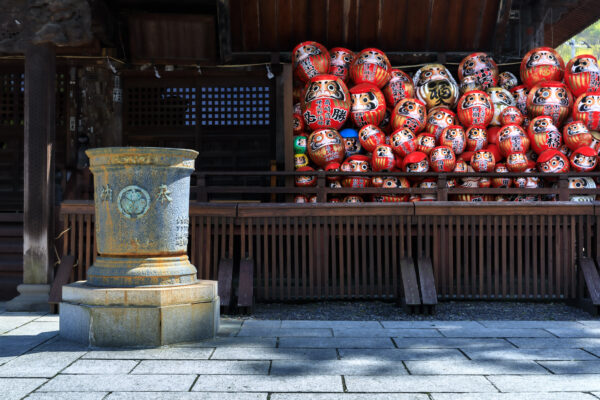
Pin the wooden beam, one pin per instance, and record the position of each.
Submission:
(224, 28)
(501, 24)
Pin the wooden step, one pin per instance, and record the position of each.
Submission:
(427, 282)
(410, 288)
(246, 286)
(225, 283)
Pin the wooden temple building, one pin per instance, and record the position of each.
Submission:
(215, 76)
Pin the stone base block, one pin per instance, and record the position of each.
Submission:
(32, 297)
(139, 317)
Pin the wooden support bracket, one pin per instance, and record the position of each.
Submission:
(225, 278)
(410, 289)
(591, 278)
(246, 286)
(63, 274)
(427, 281)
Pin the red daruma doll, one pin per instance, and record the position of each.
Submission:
(541, 64)
(587, 109)
(371, 66)
(368, 105)
(475, 108)
(482, 67)
(403, 142)
(549, 98)
(356, 163)
(438, 119)
(383, 158)
(442, 159)
(325, 146)
(399, 87)
(520, 95)
(370, 136)
(483, 161)
(476, 138)
(575, 135)
(512, 139)
(553, 161)
(326, 103)
(454, 137)
(409, 113)
(415, 162)
(582, 74)
(310, 59)
(425, 142)
(584, 159)
(341, 59)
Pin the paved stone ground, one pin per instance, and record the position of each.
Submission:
(321, 360)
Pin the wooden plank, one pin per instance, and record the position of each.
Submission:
(62, 277)
(225, 278)
(224, 30)
(88, 240)
(394, 238)
(483, 269)
(318, 258)
(355, 260)
(409, 282)
(364, 265)
(489, 251)
(534, 253)
(334, 262)
(80, 253)
(274, 277)
(511, 256)
(591, 278)
(379, 250)
(505, 254)
(280, 251)
(558, 264)
(266, 264)
(388, 291)
(428, 292)
(543, 234)
(519, 257)
(527, 258)
(551, 265)
(448, 290)
(246, 284)
(459, 262)
(473, 258)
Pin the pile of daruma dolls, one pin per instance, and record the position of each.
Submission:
(355, 113)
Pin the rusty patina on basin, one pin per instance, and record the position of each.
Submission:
(141, 196)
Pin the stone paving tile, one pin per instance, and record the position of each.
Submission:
(257, 323)
(572, 367)
(8, 323)
(401, 354)
(432, 324)
(331, 324)
(591, 323)
(583, 332)
(229, 327)
(67, 396)
(160, 353)
(337, 367)
(284, 332)
(240, 353)
(35, 328)
(495, 333)
(202, 367)
(13, 346)
(246, 341)
(347, 343)
(452, 343)
(185, 396)
(100, 367)
(546, 383)
(411, 383)
(555, 343)
(595, 350)
(529, 354)
(48, 318)
(17, 388)
(119, 383)
(467, 367)
(531, 324)
(268, 383)
(38, 364)
(348, 396)
(385, 332)
(513, 396)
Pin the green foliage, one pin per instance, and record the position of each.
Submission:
(591, 35)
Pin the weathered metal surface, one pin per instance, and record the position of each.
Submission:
(142, 213)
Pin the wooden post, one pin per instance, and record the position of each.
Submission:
(38, 207)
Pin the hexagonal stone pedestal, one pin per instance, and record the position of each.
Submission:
(144, 316)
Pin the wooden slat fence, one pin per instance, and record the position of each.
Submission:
(524, 251)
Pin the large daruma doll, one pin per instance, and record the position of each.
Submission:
(541, 64)
(475, 108)
(442, 159)
(371, 66)
(576, 134)
(399, 87)
(483, 161)
(482, 67)
(310, 59)
(587, 109)
(582, 74)
(326, 103)
(512, 139)
(454, 137)
(438, 119)
(325, 146)
(341, 59)
(549, 98)
(403, 142)
(409, 113)
(435, 86)
(368, 105)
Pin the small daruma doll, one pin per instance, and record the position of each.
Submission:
(351, 141)
(399, 87)
(501, 182)
(541, 64)
(425, 142)
(549, 98)
(501, 98)
(553, 161)
(306, 180)
(482, 67)
(476, 138)
(469, 83)
(415, 162)
(371, 66)
(437, 119)
(512, 139)
(392, 183)
(517, 162)
(310, 59)
(454, 137)
(326, 103)
(356, 163)
(483, 161)
(587, 109)
(370, 137)
(475, 108)
(520, 95)
(403, 142)
(582, 183)
(325, 146)
(435, 86)
(383, 158)
(582, 74)
(368, 105)
(511, 115)
(544, 134)
(442, 159)
(341, 59)
(575, 135)
(409, 113)
(300, 144)
(298, 124)
(584, 159)
(507, 80)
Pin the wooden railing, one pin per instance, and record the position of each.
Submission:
(484, 250)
